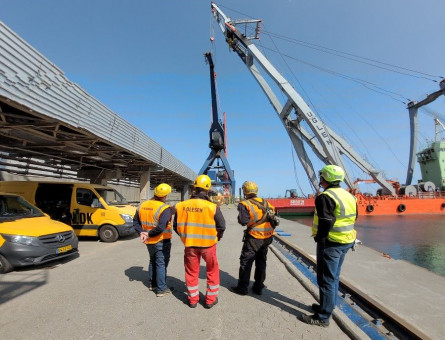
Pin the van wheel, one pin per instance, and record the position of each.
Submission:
(5, 266)
(108, 233)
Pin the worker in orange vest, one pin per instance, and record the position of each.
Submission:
(200, 225)
(252, 213)
(152, 222)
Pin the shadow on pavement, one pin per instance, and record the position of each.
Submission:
(269, 296)
(15, 284)
(274, 298)
(139, 274)
(25, 279)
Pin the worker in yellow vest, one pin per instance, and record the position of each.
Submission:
(152, 222)
(200, 225)
(257, 238)
(333, 230)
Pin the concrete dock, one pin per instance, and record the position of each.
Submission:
(103, 294)
(413, 294)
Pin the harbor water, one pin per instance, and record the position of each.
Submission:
(418, 239)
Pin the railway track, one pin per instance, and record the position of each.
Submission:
(371, 316)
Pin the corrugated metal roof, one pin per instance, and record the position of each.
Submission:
(30, 81)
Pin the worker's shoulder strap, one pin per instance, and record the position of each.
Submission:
(263, 205)
(268, 213)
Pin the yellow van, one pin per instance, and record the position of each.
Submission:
(91, 209)
(30, 237)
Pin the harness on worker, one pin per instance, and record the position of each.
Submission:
(268, 214)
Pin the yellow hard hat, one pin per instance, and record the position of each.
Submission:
(250, 187)
(203, 181)
(163, 190)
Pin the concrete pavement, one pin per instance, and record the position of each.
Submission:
(103, 294)
(411, 293)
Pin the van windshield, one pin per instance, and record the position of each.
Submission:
(15, 207)
(111, 196)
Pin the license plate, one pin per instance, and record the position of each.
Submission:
(64, 249)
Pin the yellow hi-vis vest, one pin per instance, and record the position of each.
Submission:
(149, 213)
(196, 222)
(263, 230)
(345, 213)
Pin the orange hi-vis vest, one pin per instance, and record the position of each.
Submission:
(149, 213)
(196, 222)
(263, 230)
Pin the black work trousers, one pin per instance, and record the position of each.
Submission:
(253, 250)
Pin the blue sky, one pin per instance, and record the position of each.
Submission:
(144, 60)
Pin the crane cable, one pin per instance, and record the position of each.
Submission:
(364, 83)
(334, 149)
(354, 57)
(367, 61)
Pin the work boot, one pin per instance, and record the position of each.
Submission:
(258, 288)
(313, 320)
(210, 305)
(163, 293)
(257, 291)
(238, 290)
(316, 307)
(193, 305)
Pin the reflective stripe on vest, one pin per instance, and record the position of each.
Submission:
(263, 230)
(149, 213)
(345, 213)
(196, 222)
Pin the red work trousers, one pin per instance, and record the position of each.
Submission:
(192, 259)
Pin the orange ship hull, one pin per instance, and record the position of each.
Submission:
(426, 203)
(293, 206)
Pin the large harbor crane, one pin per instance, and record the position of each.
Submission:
(325, 143)
(221, 174)
(413, 107)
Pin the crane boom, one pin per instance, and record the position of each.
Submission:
(325, 143)
(223, 174)
(217, 135)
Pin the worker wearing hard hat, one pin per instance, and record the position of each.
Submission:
(200, 225)
(258, 215)
(333, 230)
(152, 222)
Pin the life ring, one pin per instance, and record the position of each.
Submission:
(370, 208)
(401, 207)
